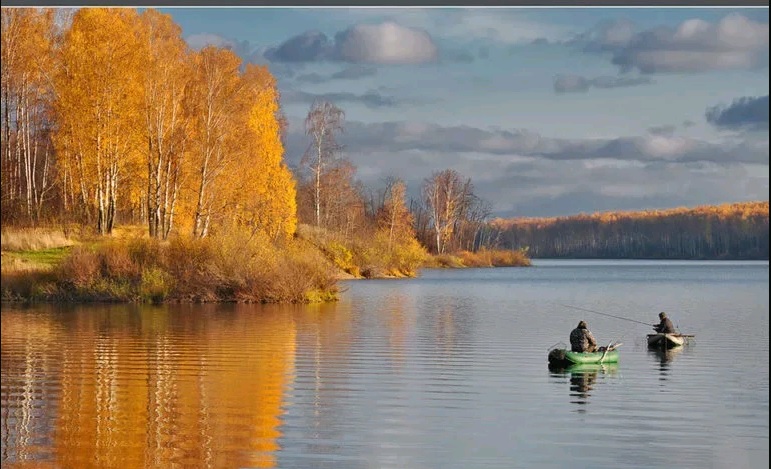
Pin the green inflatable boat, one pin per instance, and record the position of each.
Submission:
(564, 357)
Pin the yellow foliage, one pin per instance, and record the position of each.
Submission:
(267, 194)
(98, 107)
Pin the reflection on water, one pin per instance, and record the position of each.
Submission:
(664, 358)
(443, 371)
(144, 387)
(583, 378)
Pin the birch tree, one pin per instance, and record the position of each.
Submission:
(28, 41)
(215, 102)
(394, 217)
(445, 195)
(98, 106)
(262, 186)
(166, 74)
(323, 123)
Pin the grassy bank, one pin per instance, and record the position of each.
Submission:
(49, 265)
(237, 267)
(481, 258)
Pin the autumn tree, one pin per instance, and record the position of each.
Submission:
(166, 73)
(264, 189)
(394, 217)
(215, 105)
(28, 43)
(99, 95)
(446, 196)
(323, 122)
(472, 223)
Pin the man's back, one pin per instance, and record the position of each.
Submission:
(666, 326)
(581, 340)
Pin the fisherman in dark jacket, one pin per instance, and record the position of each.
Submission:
(581, 339)
(665, 326)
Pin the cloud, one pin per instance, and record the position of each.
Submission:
(608, 36)
(383, 43)
(580, 84)
(524, 173)
(371, 99)
(459, 56)
(494, 26)
(243, 49)
(313, 78)
(734, 42)
(746, 113)
(667, 130)
(396, 137)
(354, 72)
(309, 46)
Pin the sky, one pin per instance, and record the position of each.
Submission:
(550, 112)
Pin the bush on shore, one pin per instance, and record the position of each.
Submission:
(237, 266)
(368, 255)
(234, 266)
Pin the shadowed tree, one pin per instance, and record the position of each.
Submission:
(28, 42)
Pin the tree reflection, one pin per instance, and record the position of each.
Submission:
(147, 386)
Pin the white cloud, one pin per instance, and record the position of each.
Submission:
(734, 42)
(385, 43)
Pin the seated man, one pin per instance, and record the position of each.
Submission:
(582, 340)
(665, 326)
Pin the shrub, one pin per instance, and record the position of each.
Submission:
(81, 268)
(156, 285)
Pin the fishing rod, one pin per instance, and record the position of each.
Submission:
(606, 314)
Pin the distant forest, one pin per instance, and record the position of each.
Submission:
(729, 231)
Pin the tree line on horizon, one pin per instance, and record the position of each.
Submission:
(727, 231)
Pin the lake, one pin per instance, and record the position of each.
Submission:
(447, 370)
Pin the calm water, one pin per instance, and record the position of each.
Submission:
(445, 371)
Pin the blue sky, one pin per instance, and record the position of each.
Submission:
(549, 111)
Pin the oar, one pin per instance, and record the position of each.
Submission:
(611, 346)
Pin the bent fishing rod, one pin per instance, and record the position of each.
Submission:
(606, 314)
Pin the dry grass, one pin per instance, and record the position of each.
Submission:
(130, 232)
(494, 258)
(25, 279)
(481, 258)
(33, 239)
(235, 267)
